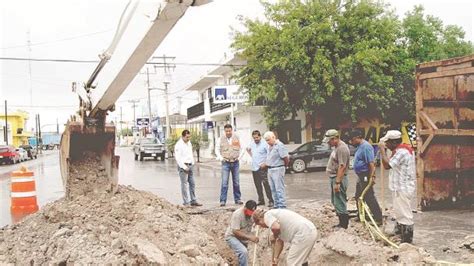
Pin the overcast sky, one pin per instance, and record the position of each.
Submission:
(79, 29)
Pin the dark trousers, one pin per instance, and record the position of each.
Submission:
(260, 178)
(369, 198)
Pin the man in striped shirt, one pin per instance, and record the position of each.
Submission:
(402, 180)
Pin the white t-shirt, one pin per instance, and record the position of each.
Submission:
(292, 225)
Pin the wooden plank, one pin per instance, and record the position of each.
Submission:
(427, 119)
(426, 143)
(448, 132)
(447, 62)
(463, 71)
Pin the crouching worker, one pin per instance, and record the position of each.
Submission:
(239, 231)
(288, 227)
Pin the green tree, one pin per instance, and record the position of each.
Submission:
(170, 143)
(338, 59)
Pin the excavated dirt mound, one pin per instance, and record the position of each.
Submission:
(129, 227)
(133, 226)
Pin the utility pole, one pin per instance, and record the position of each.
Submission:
(121, 122)
(166, 65)
(57, 125)
(39, 133)
(6, 123)
(167, 110)
(134, 104)
(147, 72)
(29, 67)
(149, 98)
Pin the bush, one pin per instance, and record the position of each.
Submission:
(170, 143)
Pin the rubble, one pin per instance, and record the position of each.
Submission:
(131, 227)
(87, 175)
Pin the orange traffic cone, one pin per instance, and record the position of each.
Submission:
(23, 194)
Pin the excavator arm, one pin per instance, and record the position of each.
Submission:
(87, 138)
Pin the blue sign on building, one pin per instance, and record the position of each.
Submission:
(220, 94)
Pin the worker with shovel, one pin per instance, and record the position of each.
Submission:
(288, 227)
(239, 231)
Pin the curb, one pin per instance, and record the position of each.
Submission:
(218, 168)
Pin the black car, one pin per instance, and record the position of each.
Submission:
(313, 154)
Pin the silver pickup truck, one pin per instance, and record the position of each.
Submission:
(149, 147)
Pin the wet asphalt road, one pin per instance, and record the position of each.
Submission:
(434, 230)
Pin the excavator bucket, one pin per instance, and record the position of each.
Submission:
(87, 159)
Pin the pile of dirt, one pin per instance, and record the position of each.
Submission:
(129, 227)
(87, 176)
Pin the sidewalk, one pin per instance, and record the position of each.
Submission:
(213, 164)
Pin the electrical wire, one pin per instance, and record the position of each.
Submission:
(59, 40)
(97, 61)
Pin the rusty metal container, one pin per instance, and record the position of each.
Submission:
(445, 128)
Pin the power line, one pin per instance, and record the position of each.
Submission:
(59, 40)
(49, 60)
(97, 61)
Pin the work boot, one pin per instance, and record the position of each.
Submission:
(344, 220)
(407, 233)
(398, 230)
(339, 225)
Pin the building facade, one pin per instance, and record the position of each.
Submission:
(17, 133)
(209, 116)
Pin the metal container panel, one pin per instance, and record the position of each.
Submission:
(445, 127)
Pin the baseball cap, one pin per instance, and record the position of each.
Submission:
(330, 134)
(391, 134)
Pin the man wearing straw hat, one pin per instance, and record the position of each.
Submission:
(239, 231)
(402, 180)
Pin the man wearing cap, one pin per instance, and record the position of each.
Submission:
(239, 231)
(258, 149)
(276, 162)
(364, 167)
(337, 170)
(402, 180)
(288, 227)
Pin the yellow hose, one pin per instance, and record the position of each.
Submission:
(363, 209)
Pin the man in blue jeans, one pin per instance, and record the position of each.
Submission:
(183, 153)
(276, 162)
(259, 150)
(239, 232)
(229, 151)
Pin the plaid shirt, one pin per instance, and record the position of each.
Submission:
(402, 176)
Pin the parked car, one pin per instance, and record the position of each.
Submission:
(313, 154)
(31, 150)
(23, 154)
(8, 154)
(149, 147)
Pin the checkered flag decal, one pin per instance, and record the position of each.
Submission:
(411, 131)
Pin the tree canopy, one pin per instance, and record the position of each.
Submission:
(340, 59)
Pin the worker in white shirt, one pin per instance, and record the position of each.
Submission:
(183, 152)
(229, 151)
